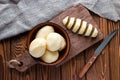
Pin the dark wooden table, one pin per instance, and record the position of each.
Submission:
(106, 67)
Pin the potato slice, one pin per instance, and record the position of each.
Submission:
(95, 33)
(37, 47)
(65, 20)
(63, 44)
(89, 30)
(50, 56)
(54, 41)
(71, 22)
(77, 25)
(43, 32)
(83, 27)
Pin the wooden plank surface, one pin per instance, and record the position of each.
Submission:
(106, 67)
(78, 43)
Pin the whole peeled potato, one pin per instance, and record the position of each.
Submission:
(50, 56)
(37, 47)
(63, 44)
(54, 41)
(43, 32)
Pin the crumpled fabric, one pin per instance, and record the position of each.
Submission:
(18, 16)
(109, 9)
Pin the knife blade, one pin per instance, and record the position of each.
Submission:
(97, 53)
(105, 42)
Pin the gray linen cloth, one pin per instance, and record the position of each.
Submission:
(17, 16)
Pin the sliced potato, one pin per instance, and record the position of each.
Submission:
(37, 47)
(77, 25)
(54, 41)
(89, 30)
(71, 22)
(43, 32)
(80, 26)
(95, 33)
(83, 27)
(65, 20)
(50, 56)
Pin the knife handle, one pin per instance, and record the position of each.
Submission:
(88, 65)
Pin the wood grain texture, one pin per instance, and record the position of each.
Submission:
(88, 65)
(78, 43)
(106, 67)
(2, 65)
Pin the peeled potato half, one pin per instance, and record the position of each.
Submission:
(54, 41)
(50, 56)
(43, 32)
(37, 47)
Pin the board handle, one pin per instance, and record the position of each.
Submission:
(22, 63)
(88, 65)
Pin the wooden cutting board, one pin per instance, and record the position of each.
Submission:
(78, 43)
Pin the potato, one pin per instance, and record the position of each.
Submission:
(89, 30)
(63, 44)
(95, 33)
(65, 20)
(80, 26)
(83, 27)
(43, 32)
(77, 25)
(54, 41)
(37, 47)
(50, 56)
(71, 22)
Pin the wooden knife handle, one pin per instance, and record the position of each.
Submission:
(87, 66)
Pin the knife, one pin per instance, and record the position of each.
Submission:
(97, 53)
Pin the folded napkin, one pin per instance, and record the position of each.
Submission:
(17, 16)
